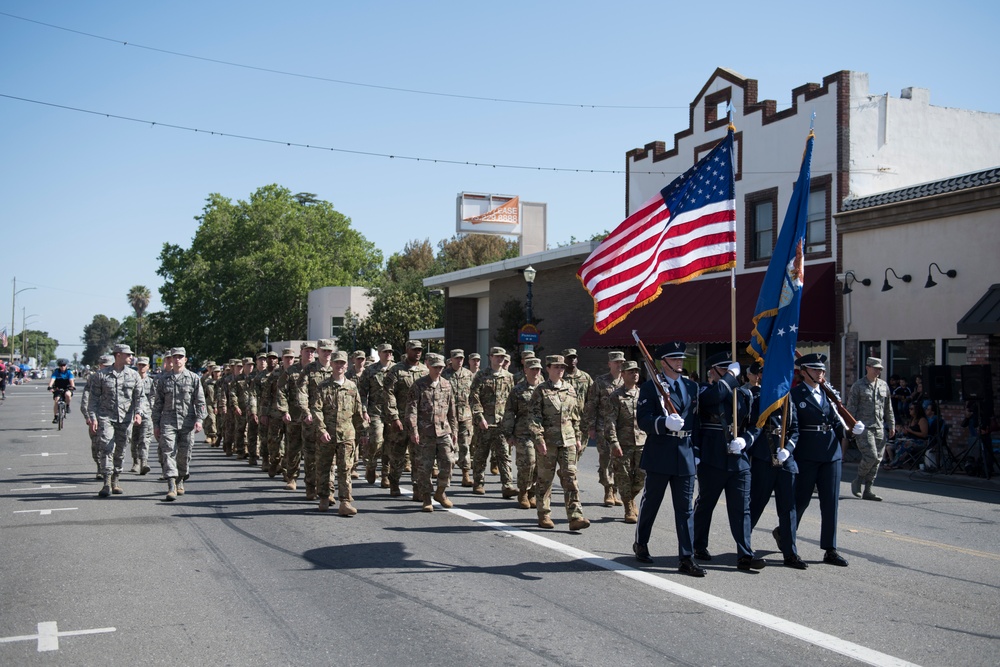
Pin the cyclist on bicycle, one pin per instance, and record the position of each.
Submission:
(61, 384)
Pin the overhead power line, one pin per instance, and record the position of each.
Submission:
(391, 156)
(344, 82)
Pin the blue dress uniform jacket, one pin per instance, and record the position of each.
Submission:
(819, 457)
(765, 478)
(718, 470)
(669, 460)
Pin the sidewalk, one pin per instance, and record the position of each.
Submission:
(957, 485)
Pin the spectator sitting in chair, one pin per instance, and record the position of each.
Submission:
(915, 434)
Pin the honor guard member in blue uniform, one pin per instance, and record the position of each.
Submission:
(668, 457)
(724, 460)
(818, 452)
(773, 469)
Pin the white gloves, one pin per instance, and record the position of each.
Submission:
(737, 445)
(734, 368)
(782, 455)
(858, 429)
(675, 422)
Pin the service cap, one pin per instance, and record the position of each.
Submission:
(675, 349)
(874, 362)
(123, 348)
(555, 360)
(434, 359)
(616, 355)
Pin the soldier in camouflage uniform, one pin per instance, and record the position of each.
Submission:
(372, 388)
(114, 406)
(398, 381)
(358, 358)
(595, 422)
(461, 382)
(261, 384)
(275, 417)
(293, 401)
(228, 406)
(253, 418)
(555, 428)
(142, 435)
(222, 414)
(579, 379)
(870, 403)
(95, 438)
(240, 398)
(208, 385)
(487, 397)
(178, 412)
(432, 420)
(314, 372)
(336, 412)
(625, 439)
(520, 375)
(516, 428)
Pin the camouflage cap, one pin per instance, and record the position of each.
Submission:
(435, 360)
(122, 348)
(261, 355)
(339, 355)
(569, 352)
(874, 362)
(457, 354)
(616, 355)
(288, 352)
(555, 360)
(106, 360)
(527, 354)
(306, 344)
(327, 344)
(273, 355)
(533, 362)
(414, 345)
(474, 355)
(210, 363)
(630, 366)
(142, 361)
(385, 347)
(215, 368)
(358, 354)
(178, 352)
(495, 351)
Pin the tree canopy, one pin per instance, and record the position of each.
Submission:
(98, 337)
(252, 264)
(39, 345)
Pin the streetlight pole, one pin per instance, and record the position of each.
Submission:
(529, 277)
(13, 314)
(267, 339)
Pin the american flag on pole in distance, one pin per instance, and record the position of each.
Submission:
(685, 230)
(3, 337)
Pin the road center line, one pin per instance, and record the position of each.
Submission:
(45, 486)
(771, 622)
(48, 511)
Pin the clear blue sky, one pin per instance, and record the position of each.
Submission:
(86, 202)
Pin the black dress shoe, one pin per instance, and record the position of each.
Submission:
(776, 534)
(746, 563)
(641, 552)
(702, 554)
(690, 568)
(795, 563)
(833, 558)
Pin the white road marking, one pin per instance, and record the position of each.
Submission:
(45, 486)
(769, 621)
(48, 635)
(48, 511)
(54, 435)
(46, 453)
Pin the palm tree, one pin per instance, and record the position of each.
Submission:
(138, 298)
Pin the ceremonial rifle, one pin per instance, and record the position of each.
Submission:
(661, 387)
(831, 396)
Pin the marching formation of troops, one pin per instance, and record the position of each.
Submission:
(317, 414)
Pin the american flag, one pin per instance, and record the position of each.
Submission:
(687, 229)
(3, 337)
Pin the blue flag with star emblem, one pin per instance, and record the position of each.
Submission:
(776, 317)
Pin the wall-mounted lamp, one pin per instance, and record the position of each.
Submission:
(435, 292)
(951, 273)
(851, 277)
(905, 278)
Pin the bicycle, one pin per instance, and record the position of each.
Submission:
(61, 408)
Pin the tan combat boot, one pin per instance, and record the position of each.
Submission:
(106, 489)
(479, 490)
(115, 489)
(617, 498)
(180, 486)
(135, 466)
(509, 492)
(631, 516)
(532, 502)
(386, 482)
(609, 496)
(522, 500)
(443, 499)
(428, 505)
(579, 524)
(171, 488)
(544, 521)
(324, 503)
(466, 479)
(370, 475)
(346, 508)
(394, 489)
(143, 467)
(290, 485)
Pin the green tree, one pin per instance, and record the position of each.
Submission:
(39, 345)
(252, 264)
(151, 329)
(512, 318)
(98, 337)
(138, 297)
(462, 252)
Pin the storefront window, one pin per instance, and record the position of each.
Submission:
(907, 358)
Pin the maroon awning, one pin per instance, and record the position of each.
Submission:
(698, 312)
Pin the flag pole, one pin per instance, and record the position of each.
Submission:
(732, 301)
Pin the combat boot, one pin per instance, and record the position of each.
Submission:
(609, 496)
(100, 475)
(143, 467)
(115, 489)
(630, 513)
(522, 500)
(106, 489)
(290, 485)
(428, 504)
(579, 524)
(545, 521)
(180, 486)
(370, 475)
(171, 489)
(479, 490)
(443, 499)
(532, 502)
(135, 466)
(324, 503)
(616, 497)
(394, 489)
(466, 479)
(386, 482)
(509, 492)
(346, 508)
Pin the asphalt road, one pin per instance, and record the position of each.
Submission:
(241, 572)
